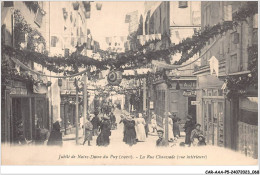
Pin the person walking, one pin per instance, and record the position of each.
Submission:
(140, 128)
(188, 127)
(129, 133)
(175, 126)
(170, 126)
(88, 132)
(55, 138)
(95, 122)
(105, 128)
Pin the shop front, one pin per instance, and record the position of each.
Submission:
(211, 109)
(21, 106)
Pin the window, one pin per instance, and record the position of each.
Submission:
(233, 64)
(38, 17)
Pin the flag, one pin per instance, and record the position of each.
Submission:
(214, 65)
(228, 13)
(127, 18)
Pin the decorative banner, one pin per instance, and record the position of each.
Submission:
(228, 13)
(114, 78)
(213, 65)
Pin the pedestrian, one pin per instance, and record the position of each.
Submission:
(146, 127)
(170, 126)
(88, 132)
(130, 133)
(105, 128)
(122, 116)
(195, 134)
(161, 142)
(55, 138)
(201, 140)
(113, 120)
(41, 134)
(175, 126)
(188, 127)
(95, 122)
(153, 122)
(20, 140)
(140, 128)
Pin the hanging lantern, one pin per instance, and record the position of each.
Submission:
(75, 5)
(59, 82)
(236, 38)
(183, 4)
(98, 6)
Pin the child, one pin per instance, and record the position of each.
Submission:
(161, 142)
(201, 139)
(88, 132)
(153, 122)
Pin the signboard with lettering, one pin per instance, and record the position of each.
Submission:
(195, 102)
(189, 93)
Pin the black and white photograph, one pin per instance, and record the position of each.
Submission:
(129, 83)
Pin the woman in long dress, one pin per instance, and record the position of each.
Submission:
(103, 137)
(140, 128)
(129, 134)
(170, 130)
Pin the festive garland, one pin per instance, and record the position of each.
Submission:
(140, 56)
(237, 84)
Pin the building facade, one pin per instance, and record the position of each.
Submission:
(23, 102)
(227, 121)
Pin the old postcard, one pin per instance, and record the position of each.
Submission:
(129, 83)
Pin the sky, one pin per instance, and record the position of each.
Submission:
(110, 20)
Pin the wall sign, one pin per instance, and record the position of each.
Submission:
(195, 102)
(189, 93)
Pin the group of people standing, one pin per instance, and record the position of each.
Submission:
(100, 125)
(135, 128)
(194, 136)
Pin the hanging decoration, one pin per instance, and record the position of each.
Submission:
(114, 78)
(139, 57)
(237, 84)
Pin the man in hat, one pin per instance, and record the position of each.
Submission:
(195, 133)
(161, 142)
(188, 127)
